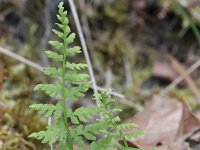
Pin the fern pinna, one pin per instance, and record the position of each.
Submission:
(68, 72)
(114, 130)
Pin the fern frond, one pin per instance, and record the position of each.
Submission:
(58, 33)
(80, 131)
(116, 119)
(66, 29)
(135, 134)
(126, 126)
(50, 89)
(70, 114)
(52, 134)
(57, 45)
(79, 141)
(48, 110)
(70, 38)
(74, 66)
(98, 127)
(117, 145)
(102, 144)
(53, 71)
(103, 99)
(60, 130)
(54, 56)
(115, 110)
(76, 92)
(84, 114)
(73, 51)
(110, 102)
(74, 77)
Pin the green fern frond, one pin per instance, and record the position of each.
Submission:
(80, 131)
(110, 102)
(74, 77)
(52, 134)
(53, 71)
(98, 127)
(134, 135)
(115, 110)
(117, 145)
(79, 141)
(103, 99)
(48, 110)
(58, 33)
(50, 89)
(85, 114)
(57, 45)
(74, 66)
(70, 39)
(116, 119)
(102, 144)
(54, 56)
(76, 92)
(126, 126)
(75, 132)
(73, 51)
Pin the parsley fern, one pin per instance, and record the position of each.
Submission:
(79, 129)
(114, 130)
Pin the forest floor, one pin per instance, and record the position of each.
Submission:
(147, 51)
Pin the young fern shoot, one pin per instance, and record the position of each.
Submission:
(79, 83)
(114, 130)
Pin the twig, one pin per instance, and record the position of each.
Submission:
(127, 72)
(83, 43)
(87, 33)
(42, 42)
(21, 59)
(108, 77)
(180, 78)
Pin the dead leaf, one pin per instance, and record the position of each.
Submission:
(167, 124)
(164, 70)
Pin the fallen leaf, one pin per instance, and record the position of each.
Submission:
(164, 70)
(167, 124)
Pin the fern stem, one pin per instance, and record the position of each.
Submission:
(123, 138)
(69, 138)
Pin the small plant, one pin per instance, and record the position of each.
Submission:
(68, 126)
(114, 130)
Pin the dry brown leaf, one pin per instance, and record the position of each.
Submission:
(167, 123)
(164, 70)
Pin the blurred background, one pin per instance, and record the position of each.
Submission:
(138, 48)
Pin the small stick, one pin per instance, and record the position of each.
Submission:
(83, 43)
(180, 78)
(21, 59)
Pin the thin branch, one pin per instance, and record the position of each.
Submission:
(86, 31)
(21, 59)
(180, 78)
